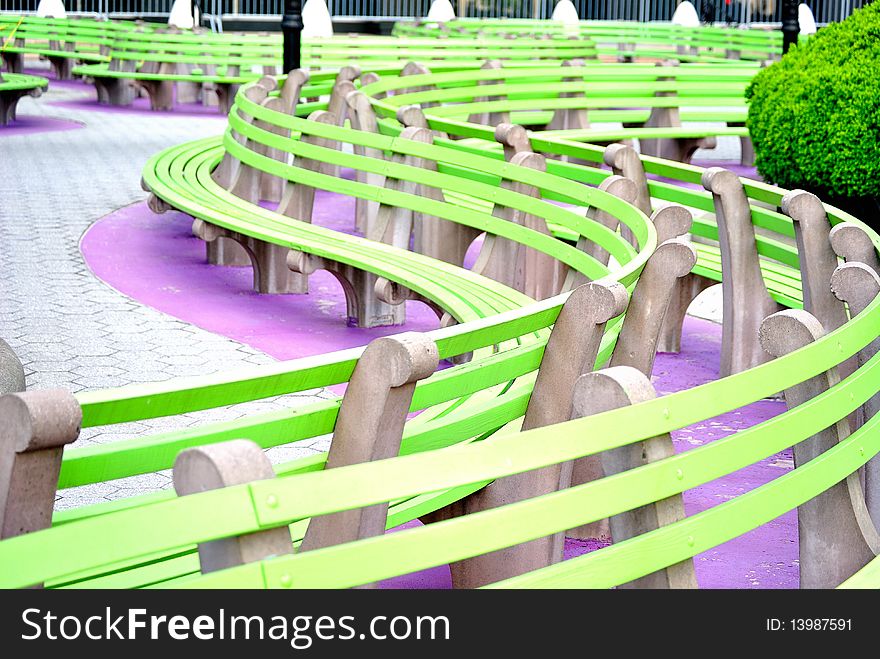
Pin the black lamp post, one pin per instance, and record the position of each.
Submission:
(291, 28)
(790, 26)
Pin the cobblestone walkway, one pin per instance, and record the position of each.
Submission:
(70, 329)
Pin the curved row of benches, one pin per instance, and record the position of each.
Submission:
(620, 38)
(650, 101)
(122, 56)
(480, 404)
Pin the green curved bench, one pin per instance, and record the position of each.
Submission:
(15, 86)
(63, 42)
(624, 39)
(778, 258)
(653, 103)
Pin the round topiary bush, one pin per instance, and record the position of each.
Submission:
(814, 116)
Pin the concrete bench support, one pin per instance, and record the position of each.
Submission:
(370, 300)
(14, 61)
(489, 118)
(161, 92)
(624, 161)
(511, 263)
(229, 173)
(444, 240)
(670, 222)
(851, 243)
(637, 343)
(9, 99)
(678, 148)
(610, 389)
(370, 427)
(368, 79)
(271, 186)
(835, 532)
(222, 465)
(61, 65)
(619, 187)
(269, 261)
(416, 69)
(570, 118)
(298, 199)
(746, 301)
(363, 117)
(858, 286)
(817, 258)
(571, 351)
(36, 427)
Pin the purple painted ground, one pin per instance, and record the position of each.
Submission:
(30, 124)
(157, 261)
(89, 102)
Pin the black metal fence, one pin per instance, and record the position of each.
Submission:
(735, 11)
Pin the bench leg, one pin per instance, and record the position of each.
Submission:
(188, 92)
(747, 158)
(678, 149)
(364, 309)
(161, 93)
(225, 96)
(209, 94)
(8, 102)
(36, 427)
(271, 274)
(364, 306)
(269, 261)
(115, 91)
(857, 284)
(14, 62)
(62, 67)
(224, 251)
(686, 291)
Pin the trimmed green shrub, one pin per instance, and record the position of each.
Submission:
(814, 116)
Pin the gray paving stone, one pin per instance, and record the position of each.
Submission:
(70, 329)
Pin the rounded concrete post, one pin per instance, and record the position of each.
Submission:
(817, 258)
(746, 301)
(851, 243)
(858, 286)
(609, 389)
(370, 426)
(837, 537)
(619, 187)
(222, 465)
(571, 351)
(637, 343)
(12, 378)
(624, 161)
(36, 427)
